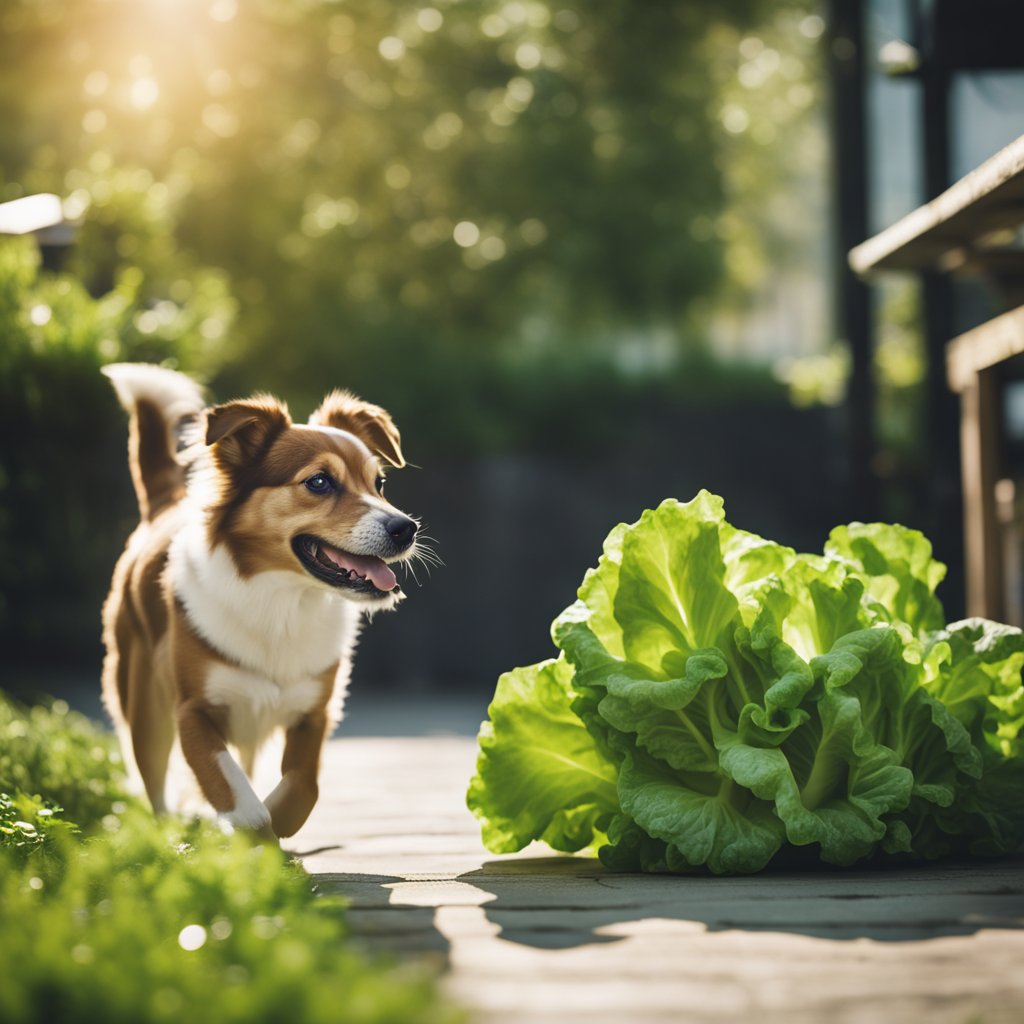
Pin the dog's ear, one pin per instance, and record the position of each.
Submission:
(239, 431)
(370, 423)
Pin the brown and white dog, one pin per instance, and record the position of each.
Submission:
(236, 605)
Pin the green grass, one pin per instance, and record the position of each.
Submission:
(111, 915)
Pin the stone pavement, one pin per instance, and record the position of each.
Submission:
(535, 938)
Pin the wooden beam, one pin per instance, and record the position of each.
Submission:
(992, 193)
(985, 346)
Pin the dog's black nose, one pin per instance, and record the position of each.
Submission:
(401, 530)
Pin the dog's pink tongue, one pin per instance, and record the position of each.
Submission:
(374, 569)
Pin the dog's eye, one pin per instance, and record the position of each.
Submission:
(320, 483)
(379, 484)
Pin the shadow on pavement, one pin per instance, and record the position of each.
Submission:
(564, 902)
(394, 931)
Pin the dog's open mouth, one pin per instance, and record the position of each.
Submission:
(365, 574)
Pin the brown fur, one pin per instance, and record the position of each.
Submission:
(370, 423)
(135, 622)
(160, 659)
(158, 477)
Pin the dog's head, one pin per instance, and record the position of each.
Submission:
(309, 498)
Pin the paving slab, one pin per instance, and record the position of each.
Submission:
(534, 937)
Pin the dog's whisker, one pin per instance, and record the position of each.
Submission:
(411, 571)
(428, 562)
(425, 551)
(424, 564)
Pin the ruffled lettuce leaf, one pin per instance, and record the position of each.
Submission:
(976, 673)
(539, 775)
(703, 819)
(897, 568)
(831, 781)
(671, 598)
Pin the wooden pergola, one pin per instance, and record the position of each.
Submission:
(972, 228)
(960, 231)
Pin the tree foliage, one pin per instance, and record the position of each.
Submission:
(408, 198)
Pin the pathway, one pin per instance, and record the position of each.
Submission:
(532, 939)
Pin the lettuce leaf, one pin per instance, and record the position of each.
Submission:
(540, 776)
(720, 701)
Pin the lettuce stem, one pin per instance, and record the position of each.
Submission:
(821, 782)
(707, 748)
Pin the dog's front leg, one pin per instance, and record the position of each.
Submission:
(295, 795)
(221, 779)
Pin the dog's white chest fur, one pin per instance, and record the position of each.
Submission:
(256, 705)
(278, 631)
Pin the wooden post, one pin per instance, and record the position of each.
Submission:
(979, 447)
(852, 297)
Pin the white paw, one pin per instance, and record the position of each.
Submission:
(254, 819)
(249, 812)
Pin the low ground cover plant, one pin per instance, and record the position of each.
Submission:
(109, 914)
(720, 702)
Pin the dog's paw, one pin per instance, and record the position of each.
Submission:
(251, 822)
(266, 835)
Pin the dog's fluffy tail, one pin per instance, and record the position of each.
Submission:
(161, 404)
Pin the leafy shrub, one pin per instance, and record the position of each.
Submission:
(148, 923)
(57, 755)
(135, 920)
(27, 822)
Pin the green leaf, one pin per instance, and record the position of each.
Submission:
(784, 681)
(597, 594)
(811, 604)
(897, 568)
(751, 563)
(976, 673)
(630, 848)
(672, 597)
(539, 775)
(671, 718)
(705, 820)
(830, 783)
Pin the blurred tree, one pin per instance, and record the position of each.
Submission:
(407, 198)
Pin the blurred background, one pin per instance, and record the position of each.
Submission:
(589, 255)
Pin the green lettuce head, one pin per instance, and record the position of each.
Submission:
(720, 702)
